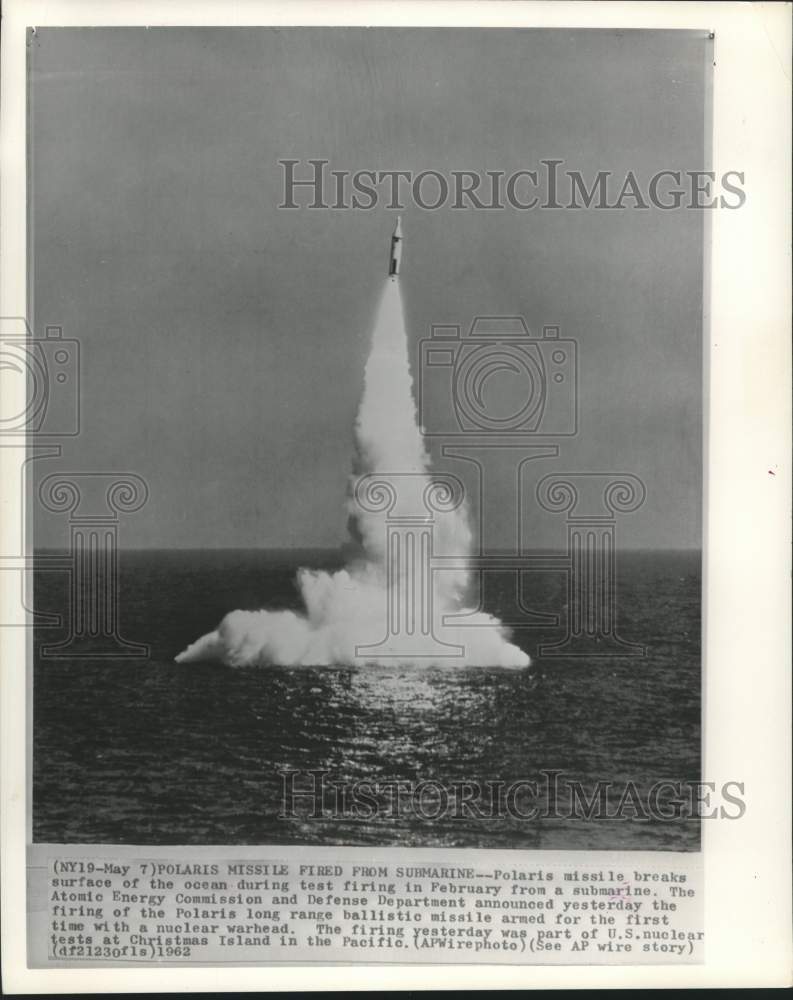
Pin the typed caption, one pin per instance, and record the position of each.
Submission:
(608, 910)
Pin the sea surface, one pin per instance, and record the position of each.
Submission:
(146, 751)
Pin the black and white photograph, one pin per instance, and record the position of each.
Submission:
(383, 360)
(394, 495)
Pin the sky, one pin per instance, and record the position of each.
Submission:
(223, 339)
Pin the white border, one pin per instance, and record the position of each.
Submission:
(747, 693)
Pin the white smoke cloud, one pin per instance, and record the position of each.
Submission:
(348, 609)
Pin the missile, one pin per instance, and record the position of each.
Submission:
(396, 250)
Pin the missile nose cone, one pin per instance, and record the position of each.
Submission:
(398, 228)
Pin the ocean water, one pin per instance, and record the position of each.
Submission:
(150, 752)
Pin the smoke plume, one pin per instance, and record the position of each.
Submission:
(348, 609)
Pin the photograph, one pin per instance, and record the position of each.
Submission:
(364, 481)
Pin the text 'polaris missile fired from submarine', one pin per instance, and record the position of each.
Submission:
(396, 250)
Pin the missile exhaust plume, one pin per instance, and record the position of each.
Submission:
(348, 609)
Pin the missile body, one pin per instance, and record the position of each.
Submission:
(396, 250)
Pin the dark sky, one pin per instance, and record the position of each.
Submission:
(223, 340)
